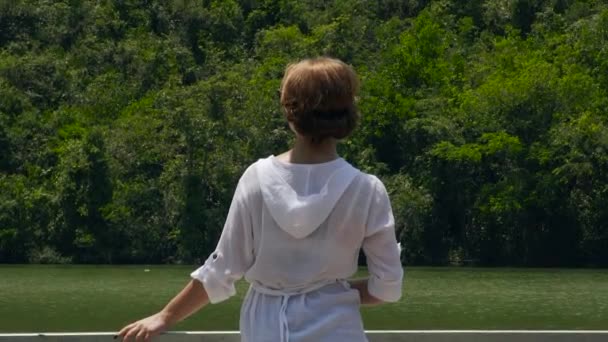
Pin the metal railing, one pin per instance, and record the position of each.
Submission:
(373, 335)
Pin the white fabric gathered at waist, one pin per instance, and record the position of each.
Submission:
(286, 294)
(297, 291)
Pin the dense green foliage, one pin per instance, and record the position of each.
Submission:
(124, 125)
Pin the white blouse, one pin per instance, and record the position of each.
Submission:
(294, 232)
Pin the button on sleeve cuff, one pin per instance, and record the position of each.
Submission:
(217, 289)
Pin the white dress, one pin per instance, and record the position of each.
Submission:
(294, 232)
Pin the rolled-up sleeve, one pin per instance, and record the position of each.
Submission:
(381, 248)
(233, 255)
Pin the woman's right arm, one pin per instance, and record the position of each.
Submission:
(191, 299)
(212, 282)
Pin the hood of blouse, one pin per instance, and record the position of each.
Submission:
(300, 214)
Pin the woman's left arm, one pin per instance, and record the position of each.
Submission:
(361, 286)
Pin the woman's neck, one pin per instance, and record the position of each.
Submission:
(305, 151)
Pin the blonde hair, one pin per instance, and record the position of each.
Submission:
(318, 97)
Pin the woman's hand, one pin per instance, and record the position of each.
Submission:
(192, 298)
(144, 329)
(366, 298)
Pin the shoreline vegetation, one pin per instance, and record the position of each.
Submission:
(125, 125)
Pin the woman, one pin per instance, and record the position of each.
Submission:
(295, 227)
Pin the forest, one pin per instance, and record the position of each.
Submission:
(125, 125)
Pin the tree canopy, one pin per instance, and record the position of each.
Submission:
(125, 125)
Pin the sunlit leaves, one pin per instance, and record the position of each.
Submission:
(131, 121)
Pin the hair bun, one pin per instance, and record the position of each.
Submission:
(319, 125)
(330, 114)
